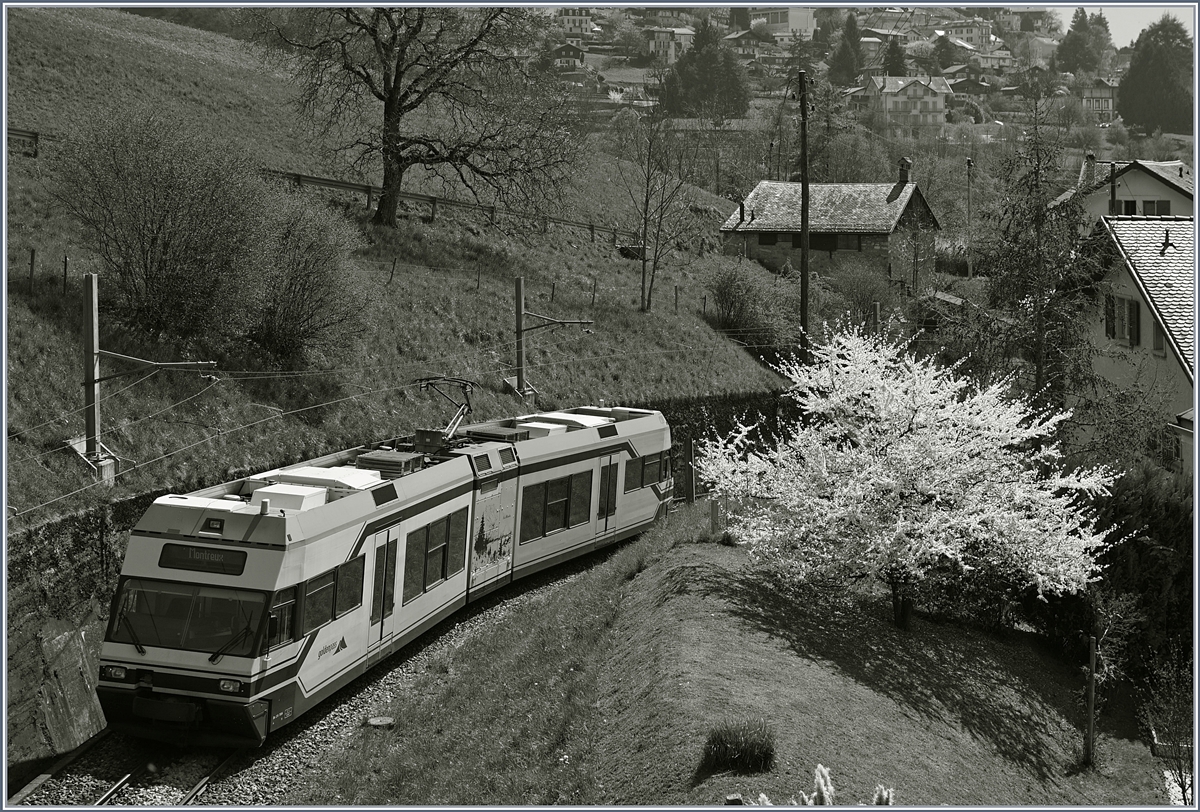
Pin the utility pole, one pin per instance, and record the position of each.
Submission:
(519, 384)
(970, 262)
(804, 343)
(89, 446)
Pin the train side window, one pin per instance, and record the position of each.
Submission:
(558, 494)
(318, 601)
(533, 505)
(283, 618)
(653, 466)
(581, 497)
(389, 583)
(633, 474)
(350, 585)
(608, 491)
(456, 548)
(435, 552)
(414, 564)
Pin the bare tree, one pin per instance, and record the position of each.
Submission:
(660, 162)
(446, 88)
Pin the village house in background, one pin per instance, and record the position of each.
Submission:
(887, 225)
(1133, 187)
(1147, 334)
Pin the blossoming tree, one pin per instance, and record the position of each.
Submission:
(899, 466)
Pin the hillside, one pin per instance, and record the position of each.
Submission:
(438, 297)
(611, 688)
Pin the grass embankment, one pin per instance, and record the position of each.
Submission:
(606, 691)
(446, 309)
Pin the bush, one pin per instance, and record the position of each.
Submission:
(171, 212)
(306, 304)
(204, 253)
(740, 747)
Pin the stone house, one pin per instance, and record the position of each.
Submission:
(888, 226)
(1100, 97)
(567, 56)
(1146, 333)
(905, 105)
(668, 44)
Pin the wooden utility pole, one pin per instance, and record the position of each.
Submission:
(970, 264)
(804, 343)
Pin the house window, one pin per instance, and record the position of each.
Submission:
(1122, 319)
(849, 242)
(823, 242)
(1160, 208)
(1160, 339)
(1129, 206)
(767, 238)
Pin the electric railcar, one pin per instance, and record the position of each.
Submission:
(241, 606)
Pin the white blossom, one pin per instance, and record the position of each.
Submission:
(898, 465)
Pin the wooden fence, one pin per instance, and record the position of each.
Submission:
(372, 192)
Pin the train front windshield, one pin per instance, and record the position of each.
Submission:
(193, 617)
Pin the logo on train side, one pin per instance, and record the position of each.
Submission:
(332, 647)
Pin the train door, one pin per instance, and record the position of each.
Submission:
(383, 596)
(606, 519)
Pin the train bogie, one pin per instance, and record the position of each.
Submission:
(241, 606)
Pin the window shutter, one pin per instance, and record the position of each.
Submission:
(1110, 312)
(1135, 323)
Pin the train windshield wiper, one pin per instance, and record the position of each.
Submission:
(137, 644)
(233, 641)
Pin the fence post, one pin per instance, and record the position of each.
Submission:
(432, 209)
(705, 306)
(592, 227)
(478, 276)
(32, 262)
(64, 274)
(593, 294)
(493, 215)
(552, 286)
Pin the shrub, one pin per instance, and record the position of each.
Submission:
(741, 747)
(306, 303)
(170, 211)
(1166, 710)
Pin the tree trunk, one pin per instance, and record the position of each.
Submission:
(901, 606)
(389, 199)
(393, 168)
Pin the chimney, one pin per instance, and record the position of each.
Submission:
(905, 165)
(1089, 177)
(741, 211)
(1112, 188)
(752, 215)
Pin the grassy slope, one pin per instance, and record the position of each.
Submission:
(455, 320)
(608, 690)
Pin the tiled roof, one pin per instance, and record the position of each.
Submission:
(846, 208)
(1160, 253)
(894, 84)
(1175, 174)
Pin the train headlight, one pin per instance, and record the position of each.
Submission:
(112, 672)
(231, 686)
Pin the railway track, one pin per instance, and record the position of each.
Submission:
(110, 776)
(115, 770)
